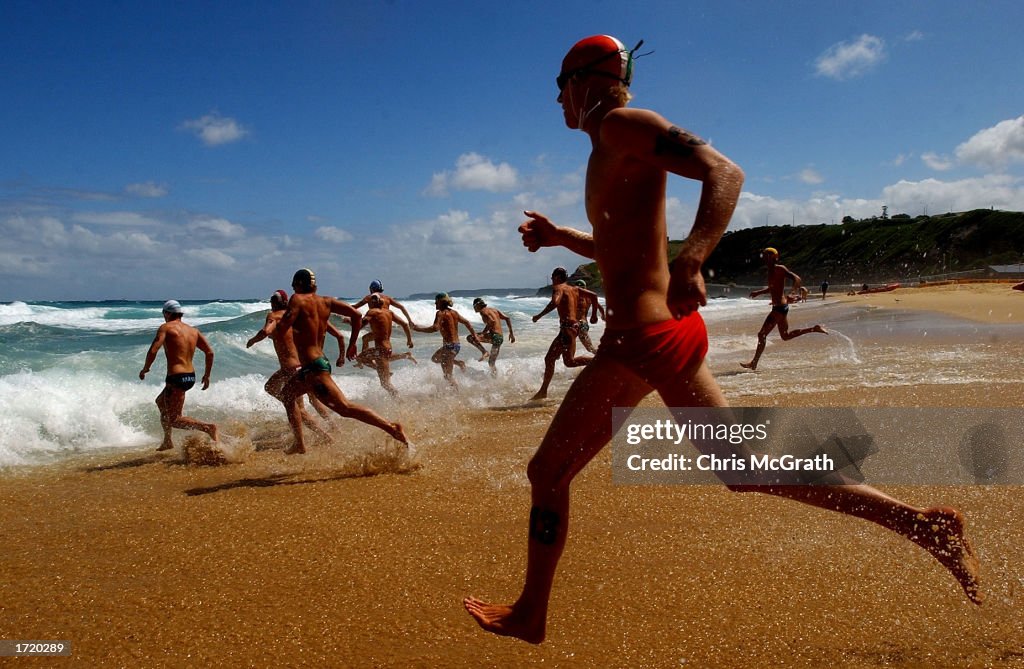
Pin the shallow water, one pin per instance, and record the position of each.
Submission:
(69, 371)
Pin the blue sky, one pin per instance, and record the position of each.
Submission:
(205, 150)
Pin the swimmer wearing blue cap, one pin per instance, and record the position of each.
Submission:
(387, 302)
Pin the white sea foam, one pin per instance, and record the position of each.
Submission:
(53, 413)
(76, 388)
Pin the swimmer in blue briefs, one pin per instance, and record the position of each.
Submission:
(777, 275)
(492, 332)
(179, 342)
(447, 321)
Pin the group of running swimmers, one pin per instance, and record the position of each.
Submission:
(298, 327)
(655, 339)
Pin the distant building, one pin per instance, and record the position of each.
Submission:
(1007, 271)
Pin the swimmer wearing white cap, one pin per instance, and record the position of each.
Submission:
(179, 341)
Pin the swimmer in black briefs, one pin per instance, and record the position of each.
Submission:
(779, 316)
(181, 381)
(564, 298)
(179, 342)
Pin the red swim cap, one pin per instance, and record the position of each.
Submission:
(602, 54)
(279, 296)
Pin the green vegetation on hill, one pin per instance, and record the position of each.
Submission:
(898, 248)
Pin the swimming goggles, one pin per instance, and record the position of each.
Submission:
(564, 78)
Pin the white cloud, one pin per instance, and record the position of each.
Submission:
(755, 210)
(846, 60)
(214, 129)
(900, 159)
(474, 172)
(334, 235)
(995, 147)
(24, 266)
(995, 190)
(914, 36)
(126, 218)
(438, 185)
(531, 201)
(937, 162)
(810, 176)
(219, 227)
(146, 189)
(211, 258)
(904, 197)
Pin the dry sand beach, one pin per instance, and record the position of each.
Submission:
(339, 559)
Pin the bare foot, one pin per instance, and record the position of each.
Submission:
(749, 365)
(820, 328)
(483, 357)
(941, 533)
(398, 433)
(541, 395)
(504, 620)
(295, 450)
(165, 446)
(214, 433)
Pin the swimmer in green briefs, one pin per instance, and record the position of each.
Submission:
(492, 332)
(307, 316)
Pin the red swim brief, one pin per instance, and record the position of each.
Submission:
(659, 352)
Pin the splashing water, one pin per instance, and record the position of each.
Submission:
(846, 351)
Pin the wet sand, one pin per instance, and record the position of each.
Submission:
(141, 560)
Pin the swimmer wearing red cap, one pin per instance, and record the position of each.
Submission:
(654, 339)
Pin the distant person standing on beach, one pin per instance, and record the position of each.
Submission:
(588, 301)
(564, 299)
(446, 321)
(179, 341)
(288, 359)
(655, 339)
(779, 316)
(307, 317)
(824, 288)
(492, 331)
